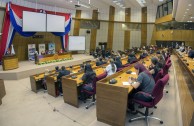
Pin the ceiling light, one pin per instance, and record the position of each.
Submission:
(84, 6)
(190, 5)
(71, 1)
(184, 15)
(185, 12)
(115, 1)
(187, 9)
(161, 0)
(192, 17)
(141, 2)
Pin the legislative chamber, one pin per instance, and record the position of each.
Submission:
(97, 63)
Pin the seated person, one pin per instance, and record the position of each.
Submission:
(111, 68)
(155, 67)
(88, 77)
(62, 72)
(99, 62)
(144, 54)
(191, 54)
(131, 57)
(161, 59)
(60, 51)
(118, 62)
(42, 53)
(144, 83)
(57, 69)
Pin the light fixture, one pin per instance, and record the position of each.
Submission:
(190, 5)
(161, 0)
(141, 2)
(71, 1)
(187, 9)
(192, 17)
(185, 12)
(83, 5)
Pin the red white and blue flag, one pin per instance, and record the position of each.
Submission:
(13, 23)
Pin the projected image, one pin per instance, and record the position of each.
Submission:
(77, 43)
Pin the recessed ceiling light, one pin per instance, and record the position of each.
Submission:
(71, 1)
(190, 5)
(185, 12)
(187, 9)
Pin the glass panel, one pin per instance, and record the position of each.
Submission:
(169, 7)
(161, 12)
(165, 9)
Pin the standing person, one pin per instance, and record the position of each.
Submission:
(111, 68)
(62, 73)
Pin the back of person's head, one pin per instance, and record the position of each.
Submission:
(56, 68)
(154, 60)
(100, 59)
(190, 48)
(88, 68)
(112, 64)
(141, 68)
(63, 68)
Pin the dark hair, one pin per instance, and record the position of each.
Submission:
(88, 68)
(142, 68)
(63, 68)
(112, 65)
(154, 60)
(56, 68)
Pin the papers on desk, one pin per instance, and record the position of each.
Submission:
(133, 73)
(126, 83)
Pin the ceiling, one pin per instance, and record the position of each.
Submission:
(185, 11)
(95, 4)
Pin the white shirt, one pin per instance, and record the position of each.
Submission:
(109, 70)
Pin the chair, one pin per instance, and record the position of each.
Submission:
(166, 68)
(156, 96)
(159, 75)
(119, 69)
(93, 92)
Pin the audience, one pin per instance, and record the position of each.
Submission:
(155, 67)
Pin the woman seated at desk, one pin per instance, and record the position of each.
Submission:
(144, 83)
(111, 68)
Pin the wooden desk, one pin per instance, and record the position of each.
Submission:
(2, 90)
(185, 81)
(112, 99)
(51, 57)
(70, 86)
(9, 62)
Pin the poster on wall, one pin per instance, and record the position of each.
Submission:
(41, 49)
(31, 51)
(51, 48)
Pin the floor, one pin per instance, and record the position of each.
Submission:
(22, 107)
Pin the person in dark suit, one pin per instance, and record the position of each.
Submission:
(99, 62)
(191, 53)
(57, 69)
(132, 57)
(62, 73)
(118, 62)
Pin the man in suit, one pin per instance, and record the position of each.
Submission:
(62, 73)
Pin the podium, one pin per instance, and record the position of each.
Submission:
(9, 62)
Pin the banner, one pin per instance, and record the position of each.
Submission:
(51, 48)
(41, 49)
(31, 51)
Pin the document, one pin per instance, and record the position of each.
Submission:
(126, 83)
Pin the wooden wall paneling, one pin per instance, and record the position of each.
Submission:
(127, 33)
(21, 43)
(144, 26)
(164, 19)
(93, 31)
(77, 23)
(110, 27)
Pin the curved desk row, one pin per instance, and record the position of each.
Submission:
(185, 80)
